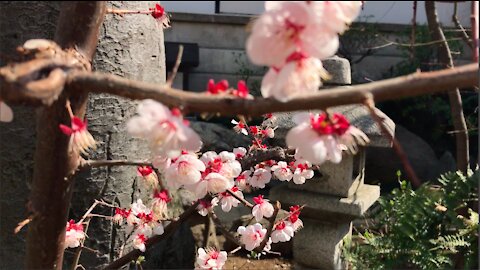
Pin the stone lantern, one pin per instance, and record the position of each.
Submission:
(337, 193)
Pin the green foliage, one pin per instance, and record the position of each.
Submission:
(428, 228)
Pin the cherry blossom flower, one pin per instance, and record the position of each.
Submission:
(268, 132)
(161, 16)
(6, 113)
(259, 178)
(293, 218)
(251, 236)
(300, 76)
(159, 203)
(185, 170)
(223, 163)
(80, 139)
(211, 259)
(282, 233)
(241, 181)
(336, 15)
(239, 127)
(120, 214)
(239, 152)
(166, 131)
(139, 242)
(286, 27)
(74, 234)
(282, 171)
(315, 137)
(212, 183)
(262, 208)
(302, 172)
(204, 206)
(148, 175)
(227, 201)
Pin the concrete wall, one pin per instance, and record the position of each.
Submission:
(221, 39)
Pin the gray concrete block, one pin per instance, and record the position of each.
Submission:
(319, 244)
(341, 179)
(328, 208)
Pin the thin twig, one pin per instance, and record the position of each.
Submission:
(87, 164)
(463, 32)
(176, 66)
(21, 224)
(474, 22)
(126, 11)
(78, 252)
(223, 230)
(242, 200)
(414, 27)
(370, 104)
(391, 43)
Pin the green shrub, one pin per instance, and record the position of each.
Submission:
(432, 227)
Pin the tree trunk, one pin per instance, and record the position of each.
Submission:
(458, 119)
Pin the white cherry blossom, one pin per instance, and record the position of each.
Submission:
(260, 177)
(252, 236)
(262, 208)
(282, 171)
(282, 233)
(210, 259)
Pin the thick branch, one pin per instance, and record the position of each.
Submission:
(405, 86)
(169, 229)
(77, 28)
(276, 153)
(445, 57)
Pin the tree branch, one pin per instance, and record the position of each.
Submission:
(405, 86)
(169, 229)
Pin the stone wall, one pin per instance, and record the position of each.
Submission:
(221, 40)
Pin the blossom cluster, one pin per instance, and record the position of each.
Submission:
(298, 35)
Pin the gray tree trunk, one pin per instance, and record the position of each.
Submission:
(130, 46)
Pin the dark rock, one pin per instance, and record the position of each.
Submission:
(382, 164)
(218, 138)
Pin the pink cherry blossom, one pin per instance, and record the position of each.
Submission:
(262, 208)
(166, 131)
(282, 171)
(161, 16)
(227, 201)
(335, 16)
(293, 218)
(239, 127)
(74, 234)
(6, 113)
(210, 259)
(239, 152)
(223, 163)
(241, 181)
(282, 233)
(259, 178)
(242, 90)
(251, 236)
(120, 214)
(139, 242)
(185, 170)
(284, 28)
(315, 138)
(300, 76)
(80, 139)
(204, 206)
